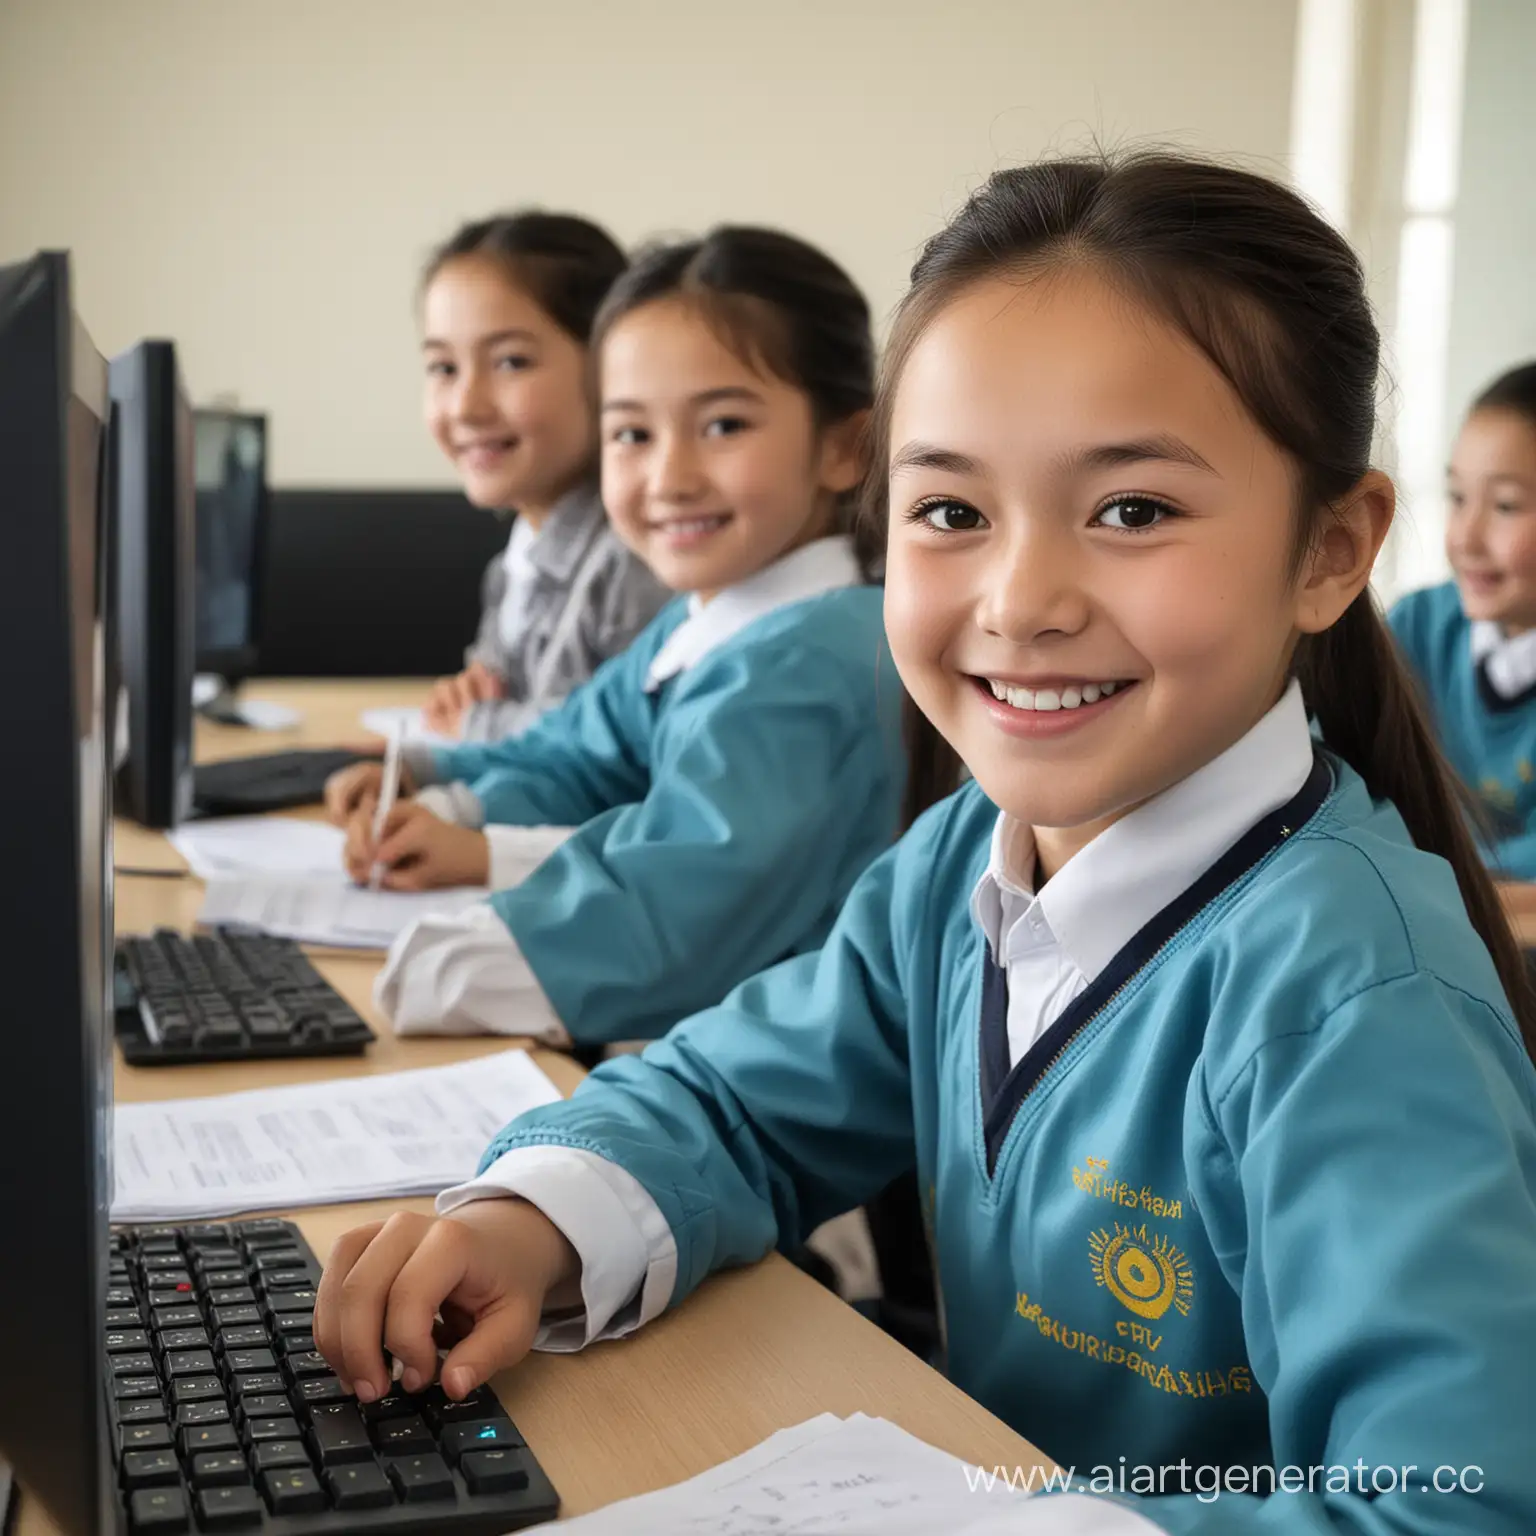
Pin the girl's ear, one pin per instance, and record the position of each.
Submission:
(843, 452)
(1338, 566)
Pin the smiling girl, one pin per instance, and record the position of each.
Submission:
(1225, 1126)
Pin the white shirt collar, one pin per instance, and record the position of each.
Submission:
(825, 565)
(1104, 895)
(1509, 660)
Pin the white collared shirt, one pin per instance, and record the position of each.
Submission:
(824, 565)
(1055, 944)
(1052, 946)
(517, 562)
(1509, 660)
(464, 974)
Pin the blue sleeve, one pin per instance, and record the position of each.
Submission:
(582, 757)
(771, 790)
(759, 1119)
(1370, 1188)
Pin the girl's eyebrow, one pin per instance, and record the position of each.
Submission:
(920, 455)
(1162, 447)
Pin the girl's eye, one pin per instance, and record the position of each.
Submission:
(1455, 498)
(439, 370)
(946, 516)
(628, 436)
(725, 426)
(514, 363)
(1508, 506)
(1132, 514)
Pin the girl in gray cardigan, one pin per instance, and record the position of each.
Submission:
(507, 306)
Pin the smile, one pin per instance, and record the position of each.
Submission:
(683, 531)
(1046, 700)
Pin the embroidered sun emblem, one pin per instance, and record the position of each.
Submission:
(1145, 1275)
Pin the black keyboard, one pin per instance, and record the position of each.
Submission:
(272, 781)
(232, 995)
(226, 1418)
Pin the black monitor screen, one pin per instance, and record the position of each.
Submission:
(231, 471)
(56, 637)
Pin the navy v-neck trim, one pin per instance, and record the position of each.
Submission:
(1004, 1091)
(1494, 701)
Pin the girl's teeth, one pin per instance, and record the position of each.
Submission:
(1048, 699)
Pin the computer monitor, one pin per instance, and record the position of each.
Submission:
(55, 940)
(231, 477)
(152, 498)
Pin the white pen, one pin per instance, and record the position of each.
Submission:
(387, 792)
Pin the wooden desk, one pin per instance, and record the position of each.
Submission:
(753, 1351)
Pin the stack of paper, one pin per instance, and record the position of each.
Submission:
(232, 846)
(329, 909)
(858, 1476)
(358, 1138)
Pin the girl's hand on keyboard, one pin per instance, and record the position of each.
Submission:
(491, 1268)
(418, 851)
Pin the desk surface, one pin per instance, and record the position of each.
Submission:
(753, 1351)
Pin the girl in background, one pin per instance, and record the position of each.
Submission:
(700, 809)
(507, 307)
(1472, 641)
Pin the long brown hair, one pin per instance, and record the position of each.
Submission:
(1276, 300)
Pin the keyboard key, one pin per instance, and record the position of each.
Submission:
(494, 1471)
(263, 1229)
(243, 1360)
(219, 1469)
(168, 1258)
(161, 1510)
(258, 1384)
(122, 1296)
(478, 1436)
(297, 1343)
(177, 1317)
(317, 1390)
(228, 1288)
(251, 1336)
(227, 1509)
(150, 1469)
(296, 1492)
(339, 1434)
(275, 1455)
(190, 1362)
(359, 1485)
(292, 1301)
(208, 1437)
(312, 1363)
(216, 1260)
(270, 1406)
(278, 1258)
(124, 1317)
(288, 1323)
(143, 1437)
(177, 1280)
(418, 1479)
(395, 1404)
(156, 1234)
(438, 1409)
(133, 1365)
(258, 1430)
(193, 1415)
(124, 1387)
(236, 1317)
(403, 1437)
(125, 1341)
(197, 1389)
(144, 1410)
(208, 1236)
(168, 1339)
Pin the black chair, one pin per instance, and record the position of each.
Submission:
(372, 583)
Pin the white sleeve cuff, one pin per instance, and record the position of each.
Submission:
(456, 803)
(463, 974)
(517, 851)
(628, 1255)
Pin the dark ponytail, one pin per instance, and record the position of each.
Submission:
(565, 264)
(1275, 299)
(779, 304)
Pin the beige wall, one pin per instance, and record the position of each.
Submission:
(261, 180)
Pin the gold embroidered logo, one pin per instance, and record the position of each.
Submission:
(1145, 1275)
